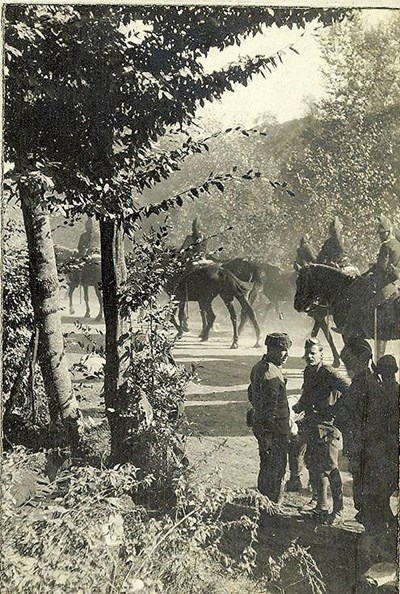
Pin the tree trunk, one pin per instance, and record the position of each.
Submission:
(44, 287)
(113, 274)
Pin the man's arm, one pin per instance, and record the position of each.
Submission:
(339, 382)
(383, 258)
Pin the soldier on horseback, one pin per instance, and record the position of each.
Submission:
(386, 272)
(195, 244)
(333, 250)
(89, 241)
(305, 254)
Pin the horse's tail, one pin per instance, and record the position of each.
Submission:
(231, 284)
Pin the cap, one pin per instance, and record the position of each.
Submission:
(387, 365)
(384, 224)
(278, 340)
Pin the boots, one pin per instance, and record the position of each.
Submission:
(335, 482)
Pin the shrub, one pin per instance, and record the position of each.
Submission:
(86, 532)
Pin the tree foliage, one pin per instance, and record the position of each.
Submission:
(349, 161)
(90, 89)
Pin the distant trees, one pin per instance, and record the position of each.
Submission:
(349, 160)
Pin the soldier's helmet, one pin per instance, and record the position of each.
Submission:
(384, 224)
(89, 224)
(196, 227)
(336, 226)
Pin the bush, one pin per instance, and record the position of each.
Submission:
(86, 532)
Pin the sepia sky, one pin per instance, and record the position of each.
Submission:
(284, 92)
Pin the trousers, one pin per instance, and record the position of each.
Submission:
(273, 451)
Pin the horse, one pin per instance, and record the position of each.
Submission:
(80, 271)
(348, 297)
(279, 286)
(204, 283)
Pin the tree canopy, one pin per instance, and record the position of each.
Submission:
(90, 89)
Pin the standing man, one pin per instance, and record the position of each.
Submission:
(351, 414)
(271, 426)
(321, 389)
(380, 469)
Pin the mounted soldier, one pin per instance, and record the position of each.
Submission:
(194, 247)
(386, 272)
(89, 241)
(305, 254)
(333, 252)
(333, 249)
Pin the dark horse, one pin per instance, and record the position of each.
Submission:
(347, 297)
(203, 284)
(85, 272)
(279, 286)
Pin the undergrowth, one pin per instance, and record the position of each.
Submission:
(87, 532)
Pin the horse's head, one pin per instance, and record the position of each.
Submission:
(304, 298)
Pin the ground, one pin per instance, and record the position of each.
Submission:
(221, 447)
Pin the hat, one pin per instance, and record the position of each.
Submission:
(278, 340)
(387, 365)
(384, 224)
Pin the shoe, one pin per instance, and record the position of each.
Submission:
(335, 518)
(320, 515)
(358, 517)
(310, 505)
(294, 486)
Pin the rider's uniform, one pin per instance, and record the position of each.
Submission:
(89, 244)
(331, 252)
(196, 250)
(387, 271)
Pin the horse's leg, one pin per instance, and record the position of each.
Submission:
(100, 298)
(86, 298)
(71, 290)
(316, 328)
(251, 298)
(203, 321)
(233, 316)
(173, 319)
(250, 313)
(181, 318)
(210, 317)
(325, 329)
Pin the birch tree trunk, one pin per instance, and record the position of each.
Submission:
(44, 288)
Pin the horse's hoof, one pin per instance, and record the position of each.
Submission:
(235, 344)
(185, 328)
(203, 338)
(257, 346)
(336, 363)
(71, 312)
(99, 318)
(87, 315)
